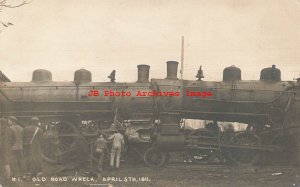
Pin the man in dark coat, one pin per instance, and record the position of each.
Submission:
(4, 149)
(228, 134)
(14, 138)
(33, 137)
(81, 153)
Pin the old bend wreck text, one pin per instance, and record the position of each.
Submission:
(153, 93)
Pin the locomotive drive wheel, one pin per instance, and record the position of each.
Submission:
(59, 139)
(245, 155)
(153, 157)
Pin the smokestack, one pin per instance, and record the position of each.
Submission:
(143, 73)
(172, 67)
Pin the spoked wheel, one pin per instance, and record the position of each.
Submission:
(154, 157)
(245, 155)
(59, 139)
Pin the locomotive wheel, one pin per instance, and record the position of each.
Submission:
(244, 155)
(58, 140)
(154, 158)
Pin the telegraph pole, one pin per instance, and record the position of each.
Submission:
(182, 56)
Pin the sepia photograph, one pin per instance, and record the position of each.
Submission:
(138, 93)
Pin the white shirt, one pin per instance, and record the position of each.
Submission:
(118, 140)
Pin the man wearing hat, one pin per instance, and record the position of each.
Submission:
(14, 138)
(33, 136)
(100, 145)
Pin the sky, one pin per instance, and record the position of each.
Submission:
(102, 35)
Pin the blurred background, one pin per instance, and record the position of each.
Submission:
(102, 35)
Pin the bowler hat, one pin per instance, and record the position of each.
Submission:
(13, 118)
(34, 119)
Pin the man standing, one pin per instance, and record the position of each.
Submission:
(117, 146)
(81, 153)
(228, 134)
(15, 145)
(33, 136)
(131, 133)
(100, 145)
(4, 149)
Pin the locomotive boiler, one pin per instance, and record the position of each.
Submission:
(269, 106)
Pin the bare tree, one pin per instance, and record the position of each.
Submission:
(5, 4)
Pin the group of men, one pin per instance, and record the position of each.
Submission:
(116, 149)
(21, 150)
(20, 147)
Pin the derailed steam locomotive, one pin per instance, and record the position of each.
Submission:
(269, 106)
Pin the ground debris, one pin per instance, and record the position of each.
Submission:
(276, 174)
